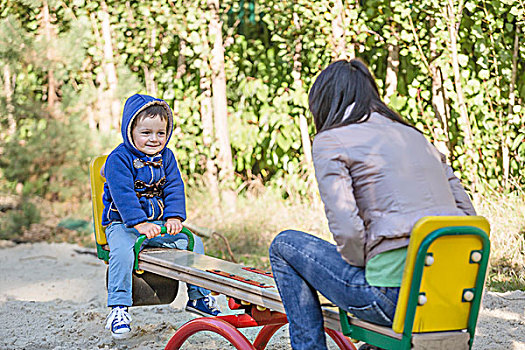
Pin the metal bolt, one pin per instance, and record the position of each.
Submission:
(475, 257)
(468, 295)
(429, 260)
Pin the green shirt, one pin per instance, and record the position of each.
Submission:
(386, 269)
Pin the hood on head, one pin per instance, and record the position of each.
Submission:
(133, 106)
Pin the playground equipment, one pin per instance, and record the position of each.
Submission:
(251, 291)
(441, 290)
(429, 315)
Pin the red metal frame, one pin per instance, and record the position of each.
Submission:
(228, 327)
(212, 324)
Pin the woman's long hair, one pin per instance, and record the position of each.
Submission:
(338, 86)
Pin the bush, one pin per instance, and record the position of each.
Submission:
(15, 221)
(48, 157)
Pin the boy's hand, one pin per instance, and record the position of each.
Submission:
(148, 229)
(173, 225)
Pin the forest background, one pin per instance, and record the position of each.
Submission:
(237, 74)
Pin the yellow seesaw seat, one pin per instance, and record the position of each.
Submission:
(97, 188)
(441, 290)
(447, 281)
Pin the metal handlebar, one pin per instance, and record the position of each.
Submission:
(163, 231)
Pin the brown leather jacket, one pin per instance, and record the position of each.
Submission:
(376, 180)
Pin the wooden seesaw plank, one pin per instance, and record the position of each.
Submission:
(192, 268)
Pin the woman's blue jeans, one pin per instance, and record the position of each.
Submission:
(121, 240)
(303, 264)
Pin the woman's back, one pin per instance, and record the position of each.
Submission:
(385, 172)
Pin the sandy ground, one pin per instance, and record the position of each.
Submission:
(52, 297)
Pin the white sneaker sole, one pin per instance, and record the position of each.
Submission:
(198, 312)
(120, 336)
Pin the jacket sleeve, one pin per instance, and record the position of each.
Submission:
(174, 196)
(119, 177)
(462, 199)
(335, 186)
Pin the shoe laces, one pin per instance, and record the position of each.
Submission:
(118, 316)
(211, 302)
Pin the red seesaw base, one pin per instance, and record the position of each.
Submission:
(227, 326)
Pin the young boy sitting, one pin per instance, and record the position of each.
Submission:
(143, 191)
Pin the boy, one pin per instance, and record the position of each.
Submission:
(144, 190)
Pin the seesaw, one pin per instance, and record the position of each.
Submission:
(437, 308)
(253, 292)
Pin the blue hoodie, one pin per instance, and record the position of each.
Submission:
(139, 187)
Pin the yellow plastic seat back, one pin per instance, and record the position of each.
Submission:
(97, 188)
(450, 282)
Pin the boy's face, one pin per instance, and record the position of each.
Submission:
(149, 135)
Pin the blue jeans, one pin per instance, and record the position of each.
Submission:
(304, 264)
(121, 240)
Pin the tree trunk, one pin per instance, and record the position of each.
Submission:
(463, 112)
(220, 108)
(451, 23)
(392, 66)
(439, 101)
(338, 32)
(149, 80)
(181, 70)
(298, 84)
(181, 60)
(303, 123)
(8, 91)
(149, 76)
(206, 111)
(512, 101)
(101, 110)
(91, 119)
(348, 8)
(48, 32)
(109, 68)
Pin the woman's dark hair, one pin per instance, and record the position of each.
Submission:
(337, 87)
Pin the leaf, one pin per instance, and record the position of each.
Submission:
(484, 74)
(517, 141)
(515, 11)
(463, 60)
(283, 142)
(470, 6)
(397, 102)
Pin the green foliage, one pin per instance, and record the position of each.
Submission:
(48, 158)
(273, 51)
(503, 277)
(14, 221)
(168, 43)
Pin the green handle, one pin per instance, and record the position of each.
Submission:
(163, 231)
(191, 239)
(138, 244)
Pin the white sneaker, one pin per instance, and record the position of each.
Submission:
(118, 322)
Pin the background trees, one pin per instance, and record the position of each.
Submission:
(237, 74)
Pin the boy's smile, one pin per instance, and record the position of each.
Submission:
(149, 135)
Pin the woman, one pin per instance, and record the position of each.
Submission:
(377, 176)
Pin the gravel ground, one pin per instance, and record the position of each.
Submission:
(52, 297)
